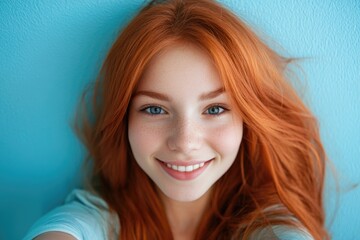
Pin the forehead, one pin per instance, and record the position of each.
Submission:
(179, 66)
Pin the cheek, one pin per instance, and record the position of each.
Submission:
(227, 139)
(144, 139)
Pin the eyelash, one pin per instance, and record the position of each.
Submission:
(147, 108)
(223, 110)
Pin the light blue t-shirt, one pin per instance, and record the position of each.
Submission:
(85, 216)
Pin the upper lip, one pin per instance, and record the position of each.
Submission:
(184, 163)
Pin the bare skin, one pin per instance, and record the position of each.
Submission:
(55, 236)
(184, 217)
(170, 122)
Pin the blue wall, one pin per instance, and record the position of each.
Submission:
(49, 50)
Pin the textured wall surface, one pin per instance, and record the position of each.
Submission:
(49, 50)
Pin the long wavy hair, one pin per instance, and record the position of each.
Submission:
(278, 175)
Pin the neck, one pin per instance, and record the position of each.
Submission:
(184, 217)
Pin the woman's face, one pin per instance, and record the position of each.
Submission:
(182, 131)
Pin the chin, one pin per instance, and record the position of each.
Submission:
(185, 195)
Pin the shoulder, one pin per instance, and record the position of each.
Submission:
(84, 215)
(55, 236)
(290, 232)
(281, 232)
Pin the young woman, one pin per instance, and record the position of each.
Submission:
(195, 133)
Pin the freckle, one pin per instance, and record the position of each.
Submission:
(155, 130)
(219, 132)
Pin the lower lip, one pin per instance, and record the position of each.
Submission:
(184, 176)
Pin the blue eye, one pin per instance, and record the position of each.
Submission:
(215, 110)
(154, 110)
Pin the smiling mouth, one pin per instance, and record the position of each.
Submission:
(188, 168)
(185, 172)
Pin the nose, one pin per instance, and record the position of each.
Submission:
(185, 136)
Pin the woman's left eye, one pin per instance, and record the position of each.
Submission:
(215, 110)
(153, 110)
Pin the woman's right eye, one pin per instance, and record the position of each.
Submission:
(153, 110)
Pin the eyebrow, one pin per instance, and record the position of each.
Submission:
(151, 94)
(163, 97)
(212, 94)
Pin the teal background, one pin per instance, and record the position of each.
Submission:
(50, 50)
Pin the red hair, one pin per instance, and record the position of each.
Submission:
(281, 161)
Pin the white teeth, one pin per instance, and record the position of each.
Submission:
(188, 168)
(181, 168)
